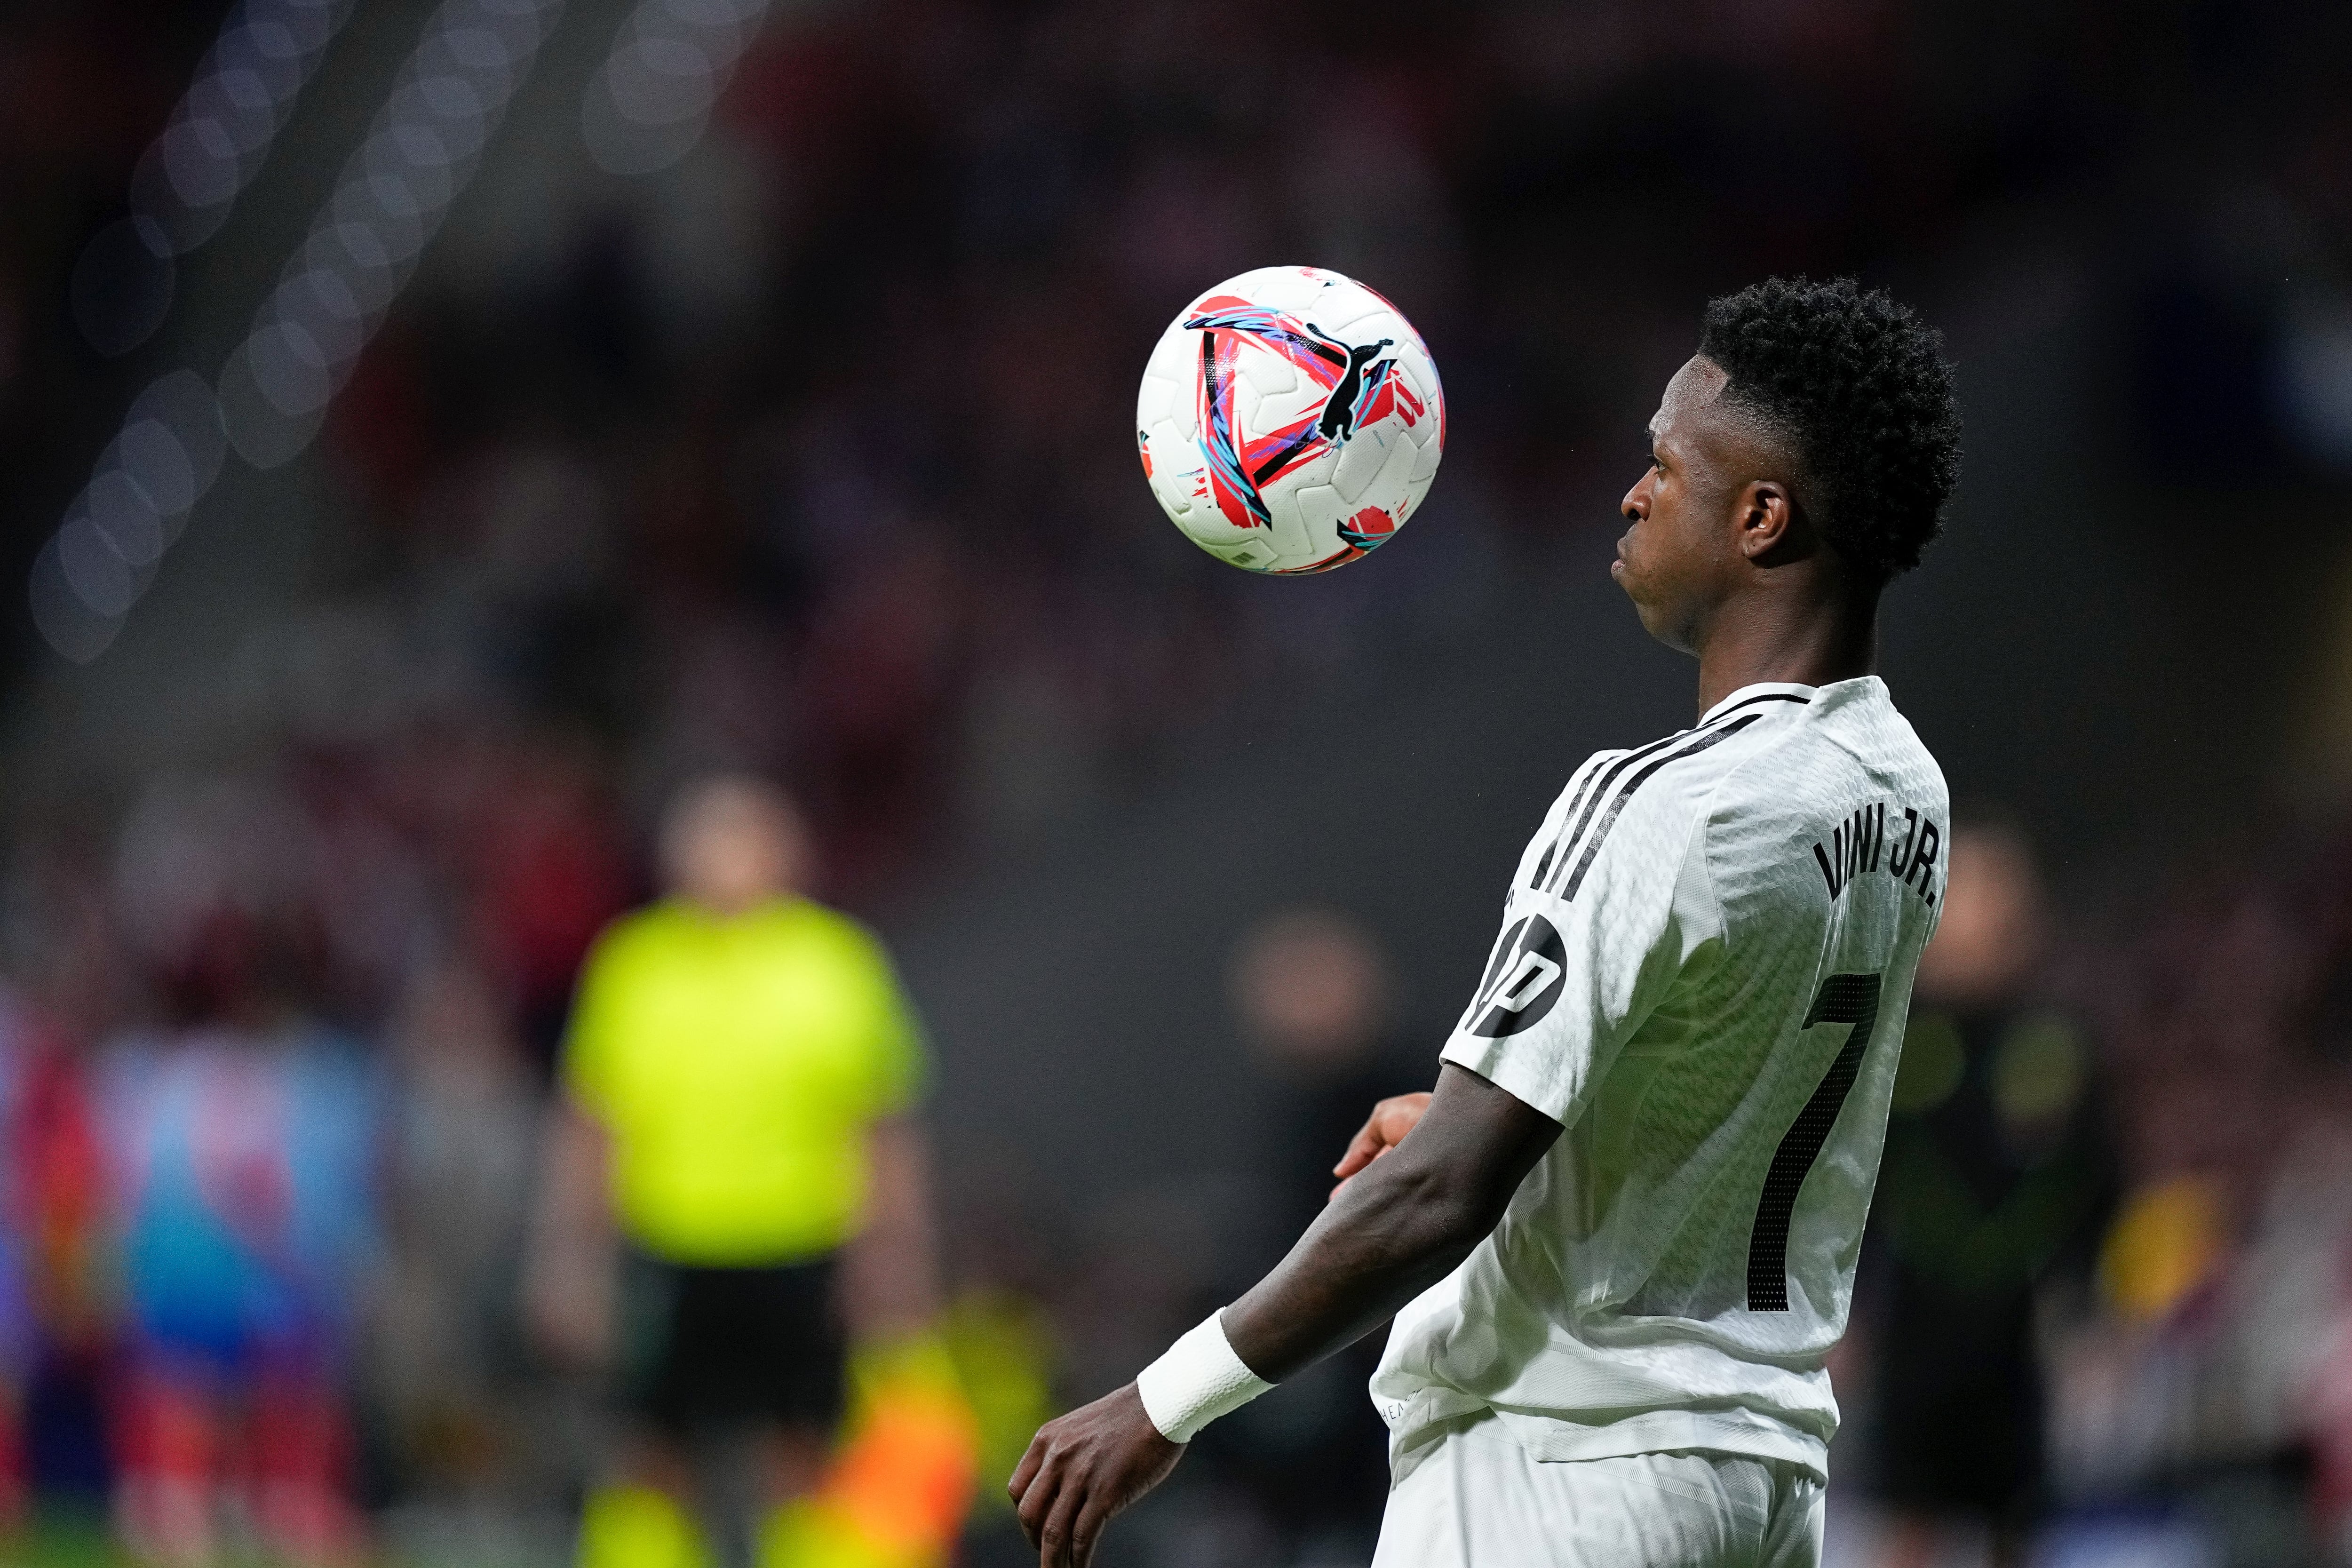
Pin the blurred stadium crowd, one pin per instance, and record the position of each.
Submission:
(805, 454)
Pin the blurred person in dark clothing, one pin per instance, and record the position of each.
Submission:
(549, 873)
(737, 1085)
(1313, 992)
(1995, 1167)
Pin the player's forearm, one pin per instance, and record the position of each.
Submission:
(1397, 1229)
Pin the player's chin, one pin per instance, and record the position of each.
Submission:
(1627, 576)
(1658, 619)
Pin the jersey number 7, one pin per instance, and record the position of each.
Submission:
(1843, 999)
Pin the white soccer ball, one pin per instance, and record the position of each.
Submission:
(1290, 420)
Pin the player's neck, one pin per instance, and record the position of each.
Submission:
(1755, 644)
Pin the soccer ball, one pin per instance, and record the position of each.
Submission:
(1290, 420)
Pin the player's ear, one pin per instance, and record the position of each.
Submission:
(1767, 519)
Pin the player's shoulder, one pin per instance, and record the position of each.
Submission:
(1826, 741)
(1761, 770)
(1852, 737)
(1645, 804)
(1844, 750)
(1687, 777)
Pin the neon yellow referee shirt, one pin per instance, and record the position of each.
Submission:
(737, 1063)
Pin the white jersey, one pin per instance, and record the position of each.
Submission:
(1705, 961)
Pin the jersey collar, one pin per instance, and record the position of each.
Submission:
(1762, 688)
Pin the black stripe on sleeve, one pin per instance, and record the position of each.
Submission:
(1589, 798)
(1592, 770)
(1590, 801)
(1608, 819)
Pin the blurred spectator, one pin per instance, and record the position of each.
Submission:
(22, 1064)
(72, 979)
(1314, 994)
(1007, 1261)
(242, 1159)
(550, 875)
(736, 1084)
(1994, 1167)
(59, 1182)
(463, 1119)
(2196, 1384)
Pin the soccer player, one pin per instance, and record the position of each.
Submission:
(1619, 1237)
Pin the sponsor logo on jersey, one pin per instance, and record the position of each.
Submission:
(1523, 982)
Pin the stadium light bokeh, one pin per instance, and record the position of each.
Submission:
(420, 151)
(421, 148)
(184, 185)
(650, 102)
(646, 107)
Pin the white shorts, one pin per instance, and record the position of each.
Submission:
(1477, 1500)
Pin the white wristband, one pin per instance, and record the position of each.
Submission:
(1197, 1380)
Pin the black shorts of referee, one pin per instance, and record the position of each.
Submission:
(703, 1347)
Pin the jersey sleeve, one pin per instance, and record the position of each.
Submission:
(1596, 927)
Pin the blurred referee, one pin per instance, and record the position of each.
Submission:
(735, 1085)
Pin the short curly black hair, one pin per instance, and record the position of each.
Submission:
(1860, 388)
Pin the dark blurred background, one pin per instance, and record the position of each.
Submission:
(730, 386)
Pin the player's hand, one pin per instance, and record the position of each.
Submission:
(1391, 1119)
(1082, 1467)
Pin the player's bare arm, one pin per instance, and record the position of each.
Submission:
(1392, 1234)
(1391, 1119)
(1388, 1235)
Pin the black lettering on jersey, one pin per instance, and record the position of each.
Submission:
(1862, 844)
(1923, 860)
(1529, 970)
